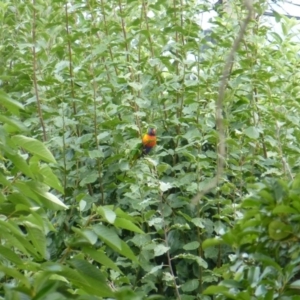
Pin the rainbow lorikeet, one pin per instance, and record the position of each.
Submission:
(149, 141)
(143, 148)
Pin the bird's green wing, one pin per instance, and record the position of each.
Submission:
(135, 153)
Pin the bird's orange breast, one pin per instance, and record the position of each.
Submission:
(149, 141)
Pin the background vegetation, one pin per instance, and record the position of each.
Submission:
(82, 220)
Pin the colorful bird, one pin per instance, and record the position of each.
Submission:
(149, 141)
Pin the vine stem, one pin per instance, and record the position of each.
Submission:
(34, 63)
(221, 149)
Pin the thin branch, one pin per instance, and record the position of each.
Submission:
(95, 117)
(176, 63)
(150, 41)
(262, 136)
(285, 165)
(221, 149)
(168, 252)
(182, 55)
(71, 66)
(109, 46)
(165, 230)
(107, 34)
(170, 261)
(64, 151)
(130, 70)
(34, 63)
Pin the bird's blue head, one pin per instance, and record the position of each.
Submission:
(152, 131)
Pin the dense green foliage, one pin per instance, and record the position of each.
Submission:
(80, 219)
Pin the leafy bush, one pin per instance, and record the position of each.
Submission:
(265, 264)
(80, 219)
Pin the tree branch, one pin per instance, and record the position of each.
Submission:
(221, 149)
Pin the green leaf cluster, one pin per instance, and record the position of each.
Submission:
(80, 217)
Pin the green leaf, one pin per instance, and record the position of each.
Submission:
(84, 138)
(191, 246)
(88, 269)
(284, 209)
(88, 234)
(81, 278)
(126, 224)
(90, 178)
(20, 163)
(96, 154)
(200, 261)
(160, 250)
(198, 222)
(190, 285)
(12, 235)
(101, 257)
(50, 178)
(26, 190)
(4, 180)
(252, 132)
(34, 147)
(212, 242)
(278, 17)
(12, 105)
(127, 252)
(108, 235)
(164, 186)
(16, 126)
(107, 213)
(295, 285)
(279, 230)
(296, 182)
(215, 289)
(11, 272)
(38, 239)
(135, 85)
(48, 199)
(124, 215)
(10, 255)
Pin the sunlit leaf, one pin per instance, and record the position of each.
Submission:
(12, 105)
(279, 230)
(160, 250)
(126, 224)
(34, 147)
(191, 246)
(252, 132)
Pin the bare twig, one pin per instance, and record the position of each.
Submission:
(221, 149)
